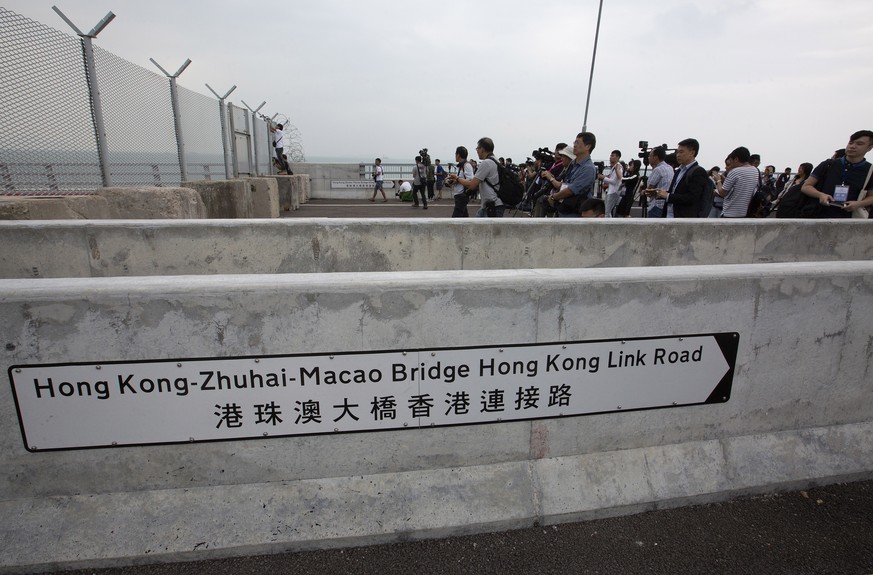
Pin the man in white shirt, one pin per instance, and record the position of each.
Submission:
(279, 145)
(485, 179)
(465, 171)
(379, 179)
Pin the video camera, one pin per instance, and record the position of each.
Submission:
(544, 155)
(645, 149)
(425, 157)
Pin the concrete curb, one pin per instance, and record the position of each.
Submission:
(209, 522)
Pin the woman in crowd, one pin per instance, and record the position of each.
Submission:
(717, 200)
(789, 203)
(630, 180)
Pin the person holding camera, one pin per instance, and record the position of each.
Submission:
(419, 183)
(550, 186)
(460, 193)
(486, 173)
(579, 179)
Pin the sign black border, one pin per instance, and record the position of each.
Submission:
(728, 342)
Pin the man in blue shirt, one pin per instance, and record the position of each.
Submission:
(838, 184)
(579, 180)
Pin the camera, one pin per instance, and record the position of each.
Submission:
(425, 157)
(600, 166)
(544, 155)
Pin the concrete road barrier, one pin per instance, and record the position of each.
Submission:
(798, 411)
(122, 248)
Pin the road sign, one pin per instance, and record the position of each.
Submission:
(80, 405)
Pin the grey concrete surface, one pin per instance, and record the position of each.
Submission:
(819, 531)
(224, 198)
(265, 197)
(316, 245)
(153, 203)
(799, 412)
(90, 207)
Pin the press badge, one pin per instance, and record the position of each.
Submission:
(841, 194)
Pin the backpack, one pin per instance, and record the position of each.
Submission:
(792, 203)
(509, 188)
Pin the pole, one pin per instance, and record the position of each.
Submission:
(257, 166)
(94, 91)
(591, 76)
(225, 142)
(177, 117)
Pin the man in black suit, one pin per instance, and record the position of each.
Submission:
(690, 184)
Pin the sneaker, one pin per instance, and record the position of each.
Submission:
(425, 207)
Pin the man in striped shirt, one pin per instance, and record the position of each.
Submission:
(739, 185)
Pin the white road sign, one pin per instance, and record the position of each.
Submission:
(358, 184)
(68, 406)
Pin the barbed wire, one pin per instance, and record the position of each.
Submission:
(293, 140)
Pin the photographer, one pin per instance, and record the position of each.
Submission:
(579, 179)
(461, 195)
(486, 173)
(550, 181)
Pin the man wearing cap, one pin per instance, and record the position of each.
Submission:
(557, 171)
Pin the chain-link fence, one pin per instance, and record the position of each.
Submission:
(51, 113)
(47, 141)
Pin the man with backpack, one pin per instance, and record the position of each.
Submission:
(487, 178)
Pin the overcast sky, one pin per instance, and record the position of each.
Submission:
(789, 79)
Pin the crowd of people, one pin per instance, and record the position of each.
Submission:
(568, 183)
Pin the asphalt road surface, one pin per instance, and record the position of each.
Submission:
(824, 530)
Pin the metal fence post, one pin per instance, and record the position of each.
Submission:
(177, 116)
(233, 146)
(91, 76)
(253, 134)
(225, 145)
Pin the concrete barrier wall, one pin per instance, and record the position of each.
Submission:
(140, 248)
(799, 412)
(320, 176)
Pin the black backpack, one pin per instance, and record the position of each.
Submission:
(509, 188)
